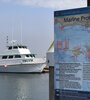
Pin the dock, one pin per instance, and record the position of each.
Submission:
(46, 69)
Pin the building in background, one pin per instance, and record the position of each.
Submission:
(50, 55)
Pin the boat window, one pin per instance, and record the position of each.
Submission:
(25, 47)
(20, 46)
(4, 57)
(31, 56)
(17, 56)
(27, 55)
(15, 47)
(9, 48)
(10, 57)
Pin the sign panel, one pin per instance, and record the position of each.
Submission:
(72, 54)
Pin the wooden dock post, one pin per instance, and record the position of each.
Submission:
(51, 83)
(50, 63)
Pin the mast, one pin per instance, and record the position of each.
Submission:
(21, 32)
(7, 40)
(12, 36)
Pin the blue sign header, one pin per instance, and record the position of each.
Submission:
(69, 12)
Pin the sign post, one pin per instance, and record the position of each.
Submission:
(72, 54)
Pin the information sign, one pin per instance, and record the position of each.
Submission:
(72, 54)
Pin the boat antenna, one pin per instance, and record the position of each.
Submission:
(7, 40)
(12, 35)
(21, 32)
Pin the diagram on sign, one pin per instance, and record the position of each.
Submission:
(76, 51)
(71, 42)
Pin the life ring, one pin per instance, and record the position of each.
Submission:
(5, 66)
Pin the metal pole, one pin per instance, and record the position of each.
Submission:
(88, 3)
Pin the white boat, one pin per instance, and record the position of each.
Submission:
(19, 59)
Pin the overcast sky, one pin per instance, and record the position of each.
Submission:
(36, 18)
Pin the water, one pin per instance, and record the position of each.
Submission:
(24, 86)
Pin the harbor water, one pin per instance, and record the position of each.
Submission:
(24, 86)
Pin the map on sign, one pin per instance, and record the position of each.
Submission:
(72, 49)
(73, 38)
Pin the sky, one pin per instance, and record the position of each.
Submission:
(32, 22)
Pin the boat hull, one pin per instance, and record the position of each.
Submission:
(23, 68)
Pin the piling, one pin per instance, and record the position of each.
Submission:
(51, 83)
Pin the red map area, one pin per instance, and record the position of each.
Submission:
(61, 28)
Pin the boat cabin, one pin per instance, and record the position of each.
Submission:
(17, 52)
